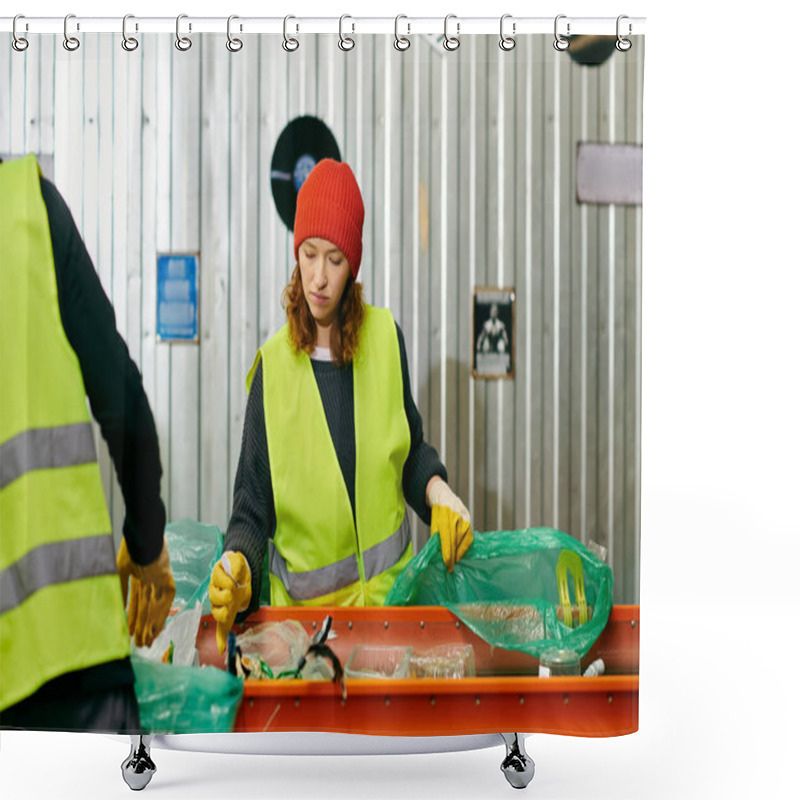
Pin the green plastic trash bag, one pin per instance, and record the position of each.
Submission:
(175, 699)
(506, 589)
(194, 548)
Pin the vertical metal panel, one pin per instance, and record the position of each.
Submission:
(466, 165)
(215, 321)
(160, 100)
(187, 137)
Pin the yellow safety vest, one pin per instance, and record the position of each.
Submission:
(60, 597)
(321, 555)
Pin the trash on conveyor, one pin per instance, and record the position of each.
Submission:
(557, 663)
(378, 661)
(443, 661)
(597, 667)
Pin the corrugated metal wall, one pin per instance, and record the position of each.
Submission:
(466, 162)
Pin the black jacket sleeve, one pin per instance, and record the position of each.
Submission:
(423, 460)
(112, 381)
(252, 521)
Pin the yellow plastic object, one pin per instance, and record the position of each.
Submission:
(570, 561)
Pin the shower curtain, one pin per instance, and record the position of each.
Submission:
(502, 194)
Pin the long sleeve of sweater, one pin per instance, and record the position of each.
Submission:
(112, 381)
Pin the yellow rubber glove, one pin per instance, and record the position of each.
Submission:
(229, 592)
(152, 590)
(451, 520)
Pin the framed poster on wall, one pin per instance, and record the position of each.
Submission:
(493, 333)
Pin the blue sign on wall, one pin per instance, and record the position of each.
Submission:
(176, 309)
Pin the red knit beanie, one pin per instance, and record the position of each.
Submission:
(329, 206)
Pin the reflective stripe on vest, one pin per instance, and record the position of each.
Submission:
(60, 596)
(336, 576)
(46, 448)
(51, 564)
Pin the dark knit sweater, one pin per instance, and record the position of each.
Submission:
(252, 521)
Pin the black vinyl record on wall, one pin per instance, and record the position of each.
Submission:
(302, 143)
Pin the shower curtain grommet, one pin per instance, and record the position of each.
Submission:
(19, 43)
(233, 44)
(560, 43)
(346, 43)
(182, 43)
(451, 42)
(129, 43)
(70, 42)
(401, 43)
(507, 42)
(290, 44)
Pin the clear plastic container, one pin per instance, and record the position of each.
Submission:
(376, 661)
(443, 661)
(559, 662)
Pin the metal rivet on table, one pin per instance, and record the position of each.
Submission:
(633, 623)
(458, 624)
(477, 701)
(205, 624)
(350, 625)
(610, 699)
(297, 702)
(566, 699)
(388, 700)
(521, 700)
(252, 702)
(386, 625)
(422, 623)
(433, 701)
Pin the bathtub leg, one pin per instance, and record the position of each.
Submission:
(138, 768)
(518, 766)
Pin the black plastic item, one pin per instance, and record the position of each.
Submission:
(591, 51)
(302, 143)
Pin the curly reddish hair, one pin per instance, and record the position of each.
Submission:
(303, 326)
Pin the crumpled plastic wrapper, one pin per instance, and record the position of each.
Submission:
(278, 645)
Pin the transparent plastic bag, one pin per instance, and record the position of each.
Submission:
(179, 633)
(507, 591)
(280, 645)
(194, 548)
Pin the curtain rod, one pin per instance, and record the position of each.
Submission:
(349, 25)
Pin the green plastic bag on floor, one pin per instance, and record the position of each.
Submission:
(174, 699)
(506, 589)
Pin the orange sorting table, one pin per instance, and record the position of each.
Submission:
(505, 695)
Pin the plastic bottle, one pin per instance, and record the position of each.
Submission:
(597, 667)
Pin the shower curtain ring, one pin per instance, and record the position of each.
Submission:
(233, 44)
(70, 42)
(129, 43)
(401, 43)
(560, 43)
(346, 43)
(183, 43)
(290, 44)
(623, 45)
(19, 43)
(507, 42)
(451, 42)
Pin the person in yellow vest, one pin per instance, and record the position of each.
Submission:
(333, 446)
(64, 638)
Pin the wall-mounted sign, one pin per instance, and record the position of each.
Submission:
(493, 333)
(176, 307)
(609, 173)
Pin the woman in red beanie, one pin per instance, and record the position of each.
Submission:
(333, 445)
